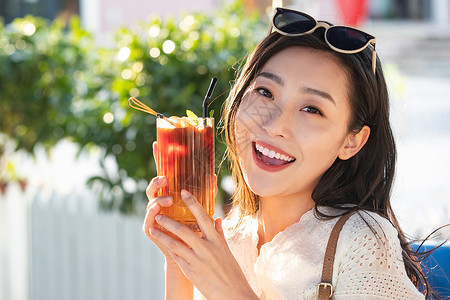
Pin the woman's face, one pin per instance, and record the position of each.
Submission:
(292, 123)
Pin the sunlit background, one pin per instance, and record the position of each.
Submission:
(75, 159)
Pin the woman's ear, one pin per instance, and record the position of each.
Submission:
(354, 142)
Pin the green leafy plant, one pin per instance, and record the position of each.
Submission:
(55, 83)
(40, 64)
(39, 67)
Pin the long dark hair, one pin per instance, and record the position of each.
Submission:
(364, 180)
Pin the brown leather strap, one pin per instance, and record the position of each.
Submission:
(325, 288)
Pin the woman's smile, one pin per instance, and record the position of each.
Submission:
(269, 157)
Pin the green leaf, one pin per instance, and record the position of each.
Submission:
(211, 113)
(190, 114)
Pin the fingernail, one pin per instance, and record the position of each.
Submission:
(153, 230)
(184, 194)
(168, 200)
(158, 218)
(161, 180)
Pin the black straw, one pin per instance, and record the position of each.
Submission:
(208, 97)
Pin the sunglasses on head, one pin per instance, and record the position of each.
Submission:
(342, 39)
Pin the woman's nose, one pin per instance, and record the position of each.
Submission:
(276, 124)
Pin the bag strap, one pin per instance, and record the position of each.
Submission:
(325, 287)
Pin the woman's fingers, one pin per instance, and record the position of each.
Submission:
(149, 221)
(154, 185)
(163, 201)
(173, 245)
(153, 210)
(178, 229)
(203, 220)
(155, 204)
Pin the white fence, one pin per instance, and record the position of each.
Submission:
(53, 248)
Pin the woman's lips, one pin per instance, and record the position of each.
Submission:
(270, 158)
(272, 151)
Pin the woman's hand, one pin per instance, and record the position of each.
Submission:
(206, 260)
(155, 203)
(153, 209)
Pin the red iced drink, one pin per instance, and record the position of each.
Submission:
(186, 159)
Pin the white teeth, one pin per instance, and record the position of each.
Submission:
(272, 153)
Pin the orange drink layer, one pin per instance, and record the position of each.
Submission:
(186, 159)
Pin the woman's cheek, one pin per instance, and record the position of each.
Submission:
(243, 130)
(246, 124)
(248, 112)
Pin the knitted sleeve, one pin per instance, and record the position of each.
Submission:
(369, 264)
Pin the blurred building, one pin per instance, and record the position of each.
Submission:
(102, 16)
(50, 9)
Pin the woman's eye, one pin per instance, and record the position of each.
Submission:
(264, 92)
(312, 110)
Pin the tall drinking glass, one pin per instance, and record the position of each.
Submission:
(186, 159)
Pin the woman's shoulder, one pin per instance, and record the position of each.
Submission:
(367, 232)
(369, 256)
(370, 242)
(369, 223)
(362, 223)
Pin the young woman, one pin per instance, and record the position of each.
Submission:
(308, 135)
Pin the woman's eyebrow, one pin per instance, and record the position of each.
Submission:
(304, 90)
(271, 76)
(311, 91)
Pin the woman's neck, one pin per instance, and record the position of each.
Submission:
(278, 213)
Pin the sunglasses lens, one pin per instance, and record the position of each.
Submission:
(293, 22)
(346, 38)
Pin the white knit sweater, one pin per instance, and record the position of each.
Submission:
(290, 266)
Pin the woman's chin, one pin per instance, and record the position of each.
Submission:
(262, 187)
